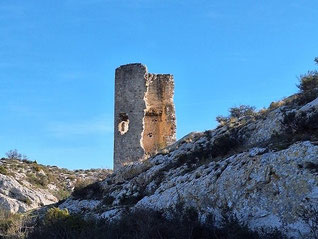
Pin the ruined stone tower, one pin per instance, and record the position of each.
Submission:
(145, 119)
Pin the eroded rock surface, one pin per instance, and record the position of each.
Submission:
(26, 185)
(263, 170)
(15, 197)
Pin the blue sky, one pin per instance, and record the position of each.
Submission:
(57, 63)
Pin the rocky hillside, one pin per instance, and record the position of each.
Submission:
(26, 185)
(261, 168)
(256, 169)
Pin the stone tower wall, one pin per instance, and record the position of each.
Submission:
(144, 113)
(130, 89)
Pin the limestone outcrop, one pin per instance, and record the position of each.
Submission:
(26, 185)
(262, 169)
(15, 197)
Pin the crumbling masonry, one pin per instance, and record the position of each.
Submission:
(145, 119)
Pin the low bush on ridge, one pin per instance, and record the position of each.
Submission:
(309, 81)
(308, 91)
(237, 113)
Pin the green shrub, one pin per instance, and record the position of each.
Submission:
(38, 180)
(61, 194)
(143, 224)
(308, 82)
(276, 104)
(80, 183)
(308, 86)
(55, 214)
(3, 170)
(242, 111)
(58, 223)
(225, 143)
(91, 191)
(236, 114)
(297, 127)
(10, 224)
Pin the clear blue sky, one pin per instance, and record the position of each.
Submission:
(57, 63)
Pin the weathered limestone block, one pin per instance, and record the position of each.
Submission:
(145, 119)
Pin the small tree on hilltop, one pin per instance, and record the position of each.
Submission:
(309, 81)
(14, 154)
(242, 111)
(237, 113)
